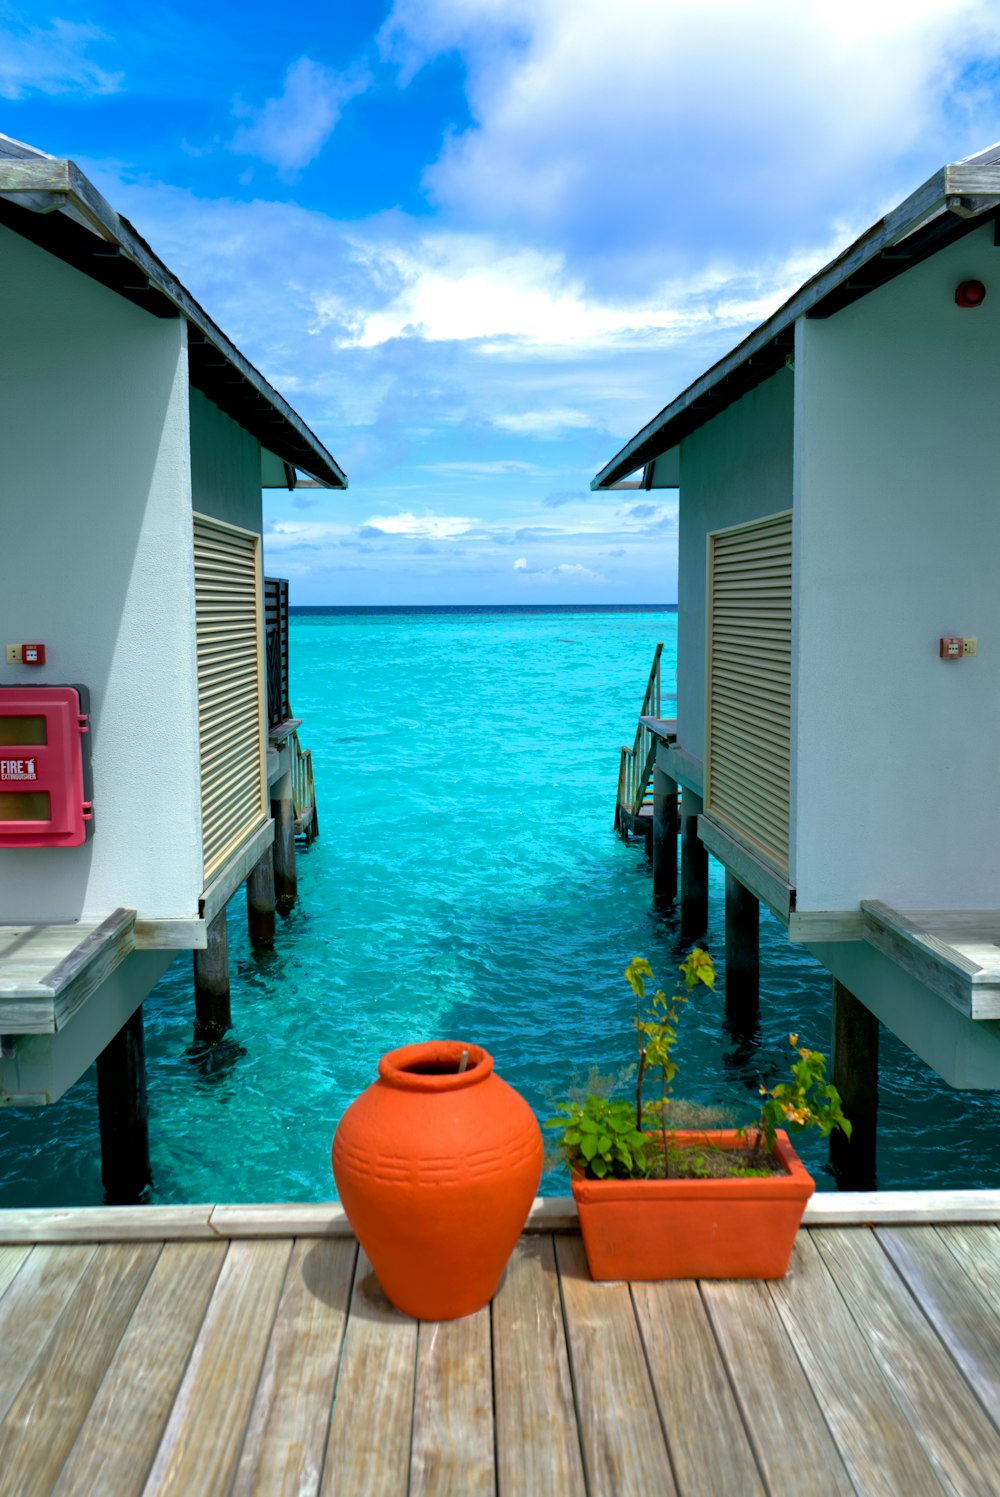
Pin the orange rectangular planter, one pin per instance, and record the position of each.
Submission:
(695, 1229)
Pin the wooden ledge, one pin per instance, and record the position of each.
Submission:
(548, 1214)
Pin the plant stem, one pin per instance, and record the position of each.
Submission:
(638, 1089)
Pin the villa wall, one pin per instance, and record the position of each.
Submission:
(897, 532)
(225, 467)
(96, 561)
(735, 468)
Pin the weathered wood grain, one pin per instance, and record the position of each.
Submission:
(978, 1250)
(953, 1304)
(368, 1452)
(452, 1453)
(865, 1208)
(64, 1378)
(286, 1436)
(688, 1373)
(106, 1224)
(538, 1448)
(114, 1449)
(962, 1444)
(624, 1450)
(790, 1437)
(11, 1259)
(204, 1434)
(31, 1307)
(873, 1434)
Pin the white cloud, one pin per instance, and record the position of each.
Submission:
(52, 60)
(420, 527)
(649, 124)
(520, 564)
(546, 423)
(291, 129)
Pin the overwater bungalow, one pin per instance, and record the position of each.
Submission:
(837, 717)
(147, 747)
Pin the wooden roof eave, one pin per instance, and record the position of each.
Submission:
(957, 199)
(52, 203)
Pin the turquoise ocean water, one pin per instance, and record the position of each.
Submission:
(467, 884)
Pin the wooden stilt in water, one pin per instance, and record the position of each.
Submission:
(123, 1112)
(694, 870)
(742, 957)
(213, 1015)
(666, 820)
(285, 880)
(855, 1075)
(260, 902)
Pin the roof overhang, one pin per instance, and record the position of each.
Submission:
(956, 200)
(51, 203)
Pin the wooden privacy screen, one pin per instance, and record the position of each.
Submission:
(230, 687)
(749, 683)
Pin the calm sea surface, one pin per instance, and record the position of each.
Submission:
(466, 884)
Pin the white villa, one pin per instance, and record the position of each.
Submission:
(838, 677)
(137, 442)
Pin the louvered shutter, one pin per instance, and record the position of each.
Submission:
(749, 683)
(230, 687)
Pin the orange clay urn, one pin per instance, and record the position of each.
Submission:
(437, 1165)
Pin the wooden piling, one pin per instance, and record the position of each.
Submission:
(666, 821)
(213, 1015)
(742, 956)
(694, 870)
(855, 1075)
(285, 880)
(260, 902)
(123, 1114)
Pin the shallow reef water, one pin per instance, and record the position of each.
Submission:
(467, 884)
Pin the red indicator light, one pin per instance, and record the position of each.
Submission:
(970, 294)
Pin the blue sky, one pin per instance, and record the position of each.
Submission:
(478, 243)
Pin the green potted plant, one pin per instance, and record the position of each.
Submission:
(660, 1202)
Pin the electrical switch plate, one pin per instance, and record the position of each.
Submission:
(13, 654)
(970, 645)
(951, 647)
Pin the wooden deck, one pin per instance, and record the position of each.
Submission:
(273, 1364)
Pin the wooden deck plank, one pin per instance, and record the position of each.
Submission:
(688, 1373)
(66, 1376)
(790, 1437)
(624, 1449)
(30, 1308)
(452, 1453)
(978, 1250)
(953, 1305)
(874, 1436)
(11, 1259)
(118, 1439)
(961, 1442)
(201, 1443)
(290, 1420)
(368, 1452)
(538, 1448)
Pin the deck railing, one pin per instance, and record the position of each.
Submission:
(635, 768)
(303, 791)
(276, 649)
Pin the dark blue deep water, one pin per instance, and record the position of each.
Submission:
(467, 884)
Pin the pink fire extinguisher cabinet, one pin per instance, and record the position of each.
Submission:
(46, 788)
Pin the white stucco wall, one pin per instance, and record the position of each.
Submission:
(735, 468)
(897, 532)
(225, 467)
(96, 561)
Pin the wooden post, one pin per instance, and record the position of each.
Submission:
(213, 1015)
(285, 880)
(260, 902)
(123, 1113)
(742, 956)
(694, 870)
(855, 1075)
(666, 820)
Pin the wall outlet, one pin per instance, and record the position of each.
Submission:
(970, 645)
(13, 654)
